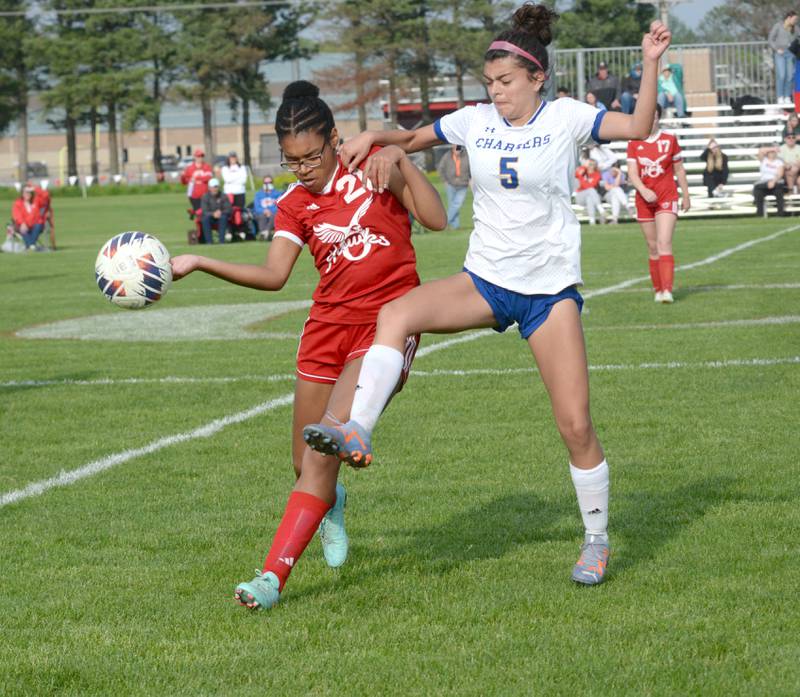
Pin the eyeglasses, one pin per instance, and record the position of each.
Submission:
(311, 162)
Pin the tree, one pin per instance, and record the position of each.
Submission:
(261, 34)
(17, 76)
(599, 23)
(747, 20)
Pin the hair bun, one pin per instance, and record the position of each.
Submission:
(300, 88)
(537, 20)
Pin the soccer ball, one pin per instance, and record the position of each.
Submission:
(133, 270)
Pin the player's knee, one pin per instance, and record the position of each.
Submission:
(393, 317)
(576, 430)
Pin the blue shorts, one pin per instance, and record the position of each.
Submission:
(529, 311)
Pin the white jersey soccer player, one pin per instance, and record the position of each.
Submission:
(523, 263)
(526, 237)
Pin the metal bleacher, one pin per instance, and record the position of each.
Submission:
(740, 138)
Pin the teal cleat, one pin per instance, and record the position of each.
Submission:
(332, 533)
(262, 591)
(590, 568)
(349, 442)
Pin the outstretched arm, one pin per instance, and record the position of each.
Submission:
(271, 275)
(353, 151)
(413, 189)
(636, 126)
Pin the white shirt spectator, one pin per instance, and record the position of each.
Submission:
(769, 169)
(235, 178)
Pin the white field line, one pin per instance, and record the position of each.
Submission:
(66, 478)
(735, 286)
(693, 265)
(188, 380)
(92, 468)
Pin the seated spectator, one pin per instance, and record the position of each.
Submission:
(792, 125)
(670, 92)
(605, 87)
(789, 153)
(588, 177)
(45, 205)
(612, 182)
(265, 206)
(770, 181)
(27, 217)
(630, 89)
(234, 177)
(591, 98)
(216, 208)
(715, 175)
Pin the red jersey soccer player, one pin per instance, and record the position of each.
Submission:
(652, 166)
(361, 242)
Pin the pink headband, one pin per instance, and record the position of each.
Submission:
(506, 46)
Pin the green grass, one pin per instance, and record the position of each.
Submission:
(464, 533)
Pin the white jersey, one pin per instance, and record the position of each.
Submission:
(526, 237)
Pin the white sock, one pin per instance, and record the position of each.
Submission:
(591, 487)
(380, 373)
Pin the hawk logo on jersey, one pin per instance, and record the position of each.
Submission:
(346, 238)
(651, 168)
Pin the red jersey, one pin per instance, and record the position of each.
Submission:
(197, 178)
(655, 157)
(360, 241)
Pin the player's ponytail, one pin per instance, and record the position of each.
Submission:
(302, 110)
(531, 31)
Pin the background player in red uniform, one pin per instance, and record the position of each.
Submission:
(361, 243)
(652, 166)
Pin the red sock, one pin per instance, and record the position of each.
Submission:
(666, 269)
(655, 276)
(304, 513)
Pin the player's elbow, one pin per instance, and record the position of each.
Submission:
(438, 221)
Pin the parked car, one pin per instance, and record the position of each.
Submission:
(169, 163)
(36, 170)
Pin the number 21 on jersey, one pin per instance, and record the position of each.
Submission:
(508, 172)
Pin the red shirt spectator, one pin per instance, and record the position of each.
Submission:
(197, 176)
(25, 211)
(588, 178)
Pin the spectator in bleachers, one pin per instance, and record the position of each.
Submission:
(770, 181)
(789, 153)
(216, 208)
(670, 93)
(604, 156)
(234, 176)
(591, 98)
(588, 177)
(779, 39)
(562, 92)
(715, 175)
(27, 217)
(612, 183)
(605, 87)
(265, 206)
(630, 89)
(196, 176)
(792, 125)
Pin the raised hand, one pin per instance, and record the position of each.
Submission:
(656, 41)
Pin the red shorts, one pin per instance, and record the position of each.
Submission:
(325, 349)
(647, 212)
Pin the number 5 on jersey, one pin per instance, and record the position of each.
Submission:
(508, 172)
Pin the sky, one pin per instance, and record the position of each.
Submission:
(692, 11)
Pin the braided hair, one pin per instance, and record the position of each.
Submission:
(302, 110)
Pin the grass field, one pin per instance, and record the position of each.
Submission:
(463, 535)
